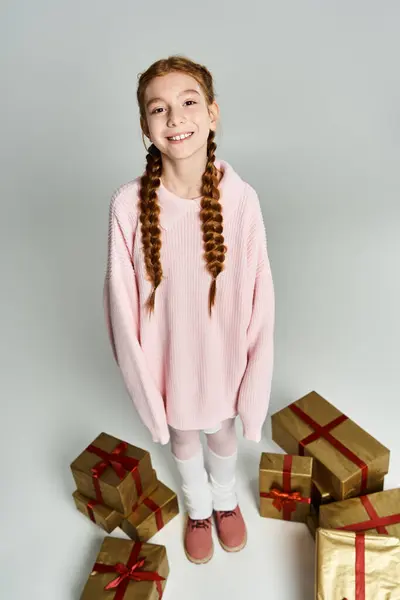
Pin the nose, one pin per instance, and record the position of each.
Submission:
(176, 117)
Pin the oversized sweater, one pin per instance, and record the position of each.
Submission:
(181, 366)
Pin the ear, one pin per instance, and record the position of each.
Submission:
(144, 128)
(213, 111)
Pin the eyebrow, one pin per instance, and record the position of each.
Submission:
(181, 94)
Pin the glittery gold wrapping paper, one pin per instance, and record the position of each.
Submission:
(337, 557)
(354, 512)
(105, 517)
(118, 494)
(113, 551)
(339, 475)
(147, 520)
(271, 476)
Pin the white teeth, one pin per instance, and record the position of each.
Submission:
(180, 137)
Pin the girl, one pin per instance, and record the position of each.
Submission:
(189, 298)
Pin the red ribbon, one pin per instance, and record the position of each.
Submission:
(89, 507)
(132, 571)
(154, 508)
(285, 499)
(287, 502)
(374, 522)
(360, 566)
(324, 432)
(157, 512)
(119, 462)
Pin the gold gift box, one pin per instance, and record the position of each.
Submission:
(272, 480)
(152, 558)
(354, 513)
(107, 518)
(152, 514)
(117, 493)
(346, 562)
(337, 473)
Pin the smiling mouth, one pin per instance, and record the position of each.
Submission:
(181, 137)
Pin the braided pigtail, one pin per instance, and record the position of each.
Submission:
(212, 221)
(150, 221)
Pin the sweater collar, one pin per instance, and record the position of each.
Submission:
(173, 207)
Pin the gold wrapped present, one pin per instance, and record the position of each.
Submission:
(127, 570)
(356, 566)
(349, 461)
(113, 472)
(285, 486)
(379, 513)
(104, 516)
(152, 514)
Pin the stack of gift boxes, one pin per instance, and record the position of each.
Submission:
(118, 487)
(332, 479)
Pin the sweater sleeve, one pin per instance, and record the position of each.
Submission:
(255, 389)
(121, 307)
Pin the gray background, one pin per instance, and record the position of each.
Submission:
(310, 95)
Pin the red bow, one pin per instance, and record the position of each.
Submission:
(119, 462)
(286, 499)
(134, 573)
(115, 459)
(129, 572)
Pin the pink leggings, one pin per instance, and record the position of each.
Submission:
(186, 444)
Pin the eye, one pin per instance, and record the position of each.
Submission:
(190, 102)
(156, 111)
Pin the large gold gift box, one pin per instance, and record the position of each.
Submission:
(379, 513)
(113, 472)
(152, 514)
(107, 518)
(356, 566)
(285, 486)
(127, 570)
(349, 461)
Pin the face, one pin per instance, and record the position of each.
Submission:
(178, 117)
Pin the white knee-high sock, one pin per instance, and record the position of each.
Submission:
(223, 480)
(195, 486)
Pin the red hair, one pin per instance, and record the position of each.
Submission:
(211, 209)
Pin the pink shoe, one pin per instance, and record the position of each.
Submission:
(199, 547)
(231, 529)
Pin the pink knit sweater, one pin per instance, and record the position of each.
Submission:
(180, 366)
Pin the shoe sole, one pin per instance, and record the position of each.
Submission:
(197, 561)
(235, 549)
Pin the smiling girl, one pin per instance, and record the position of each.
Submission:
(189, 298)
